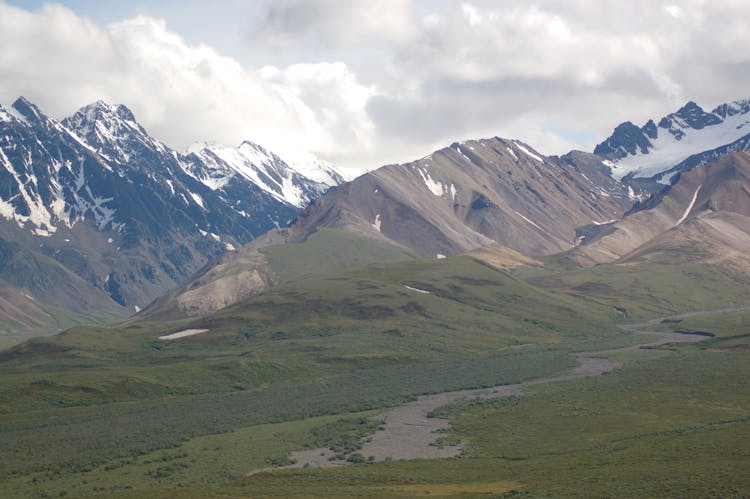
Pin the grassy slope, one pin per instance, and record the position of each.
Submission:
(669, 424)
(254, 270)
(324, 345)
(24, 318)
(647, 290)
(327, 251)
(277, 368)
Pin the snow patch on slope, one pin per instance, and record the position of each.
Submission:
(435, 187)
(310, 166)
(377, 223)
(528, 153)
(690, 206)
(198, 200)
(531, 222)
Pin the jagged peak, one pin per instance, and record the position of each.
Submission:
(199, 146)
(117, 119)
(626, 139)
(28, 109)
(23, 101)
(99, 109)
(650, 129)
(693, 116)
(125, 113)
(676, 138)
(247, 144)
(626, 126)
(690, 106)
(733, 108)
(257, 152)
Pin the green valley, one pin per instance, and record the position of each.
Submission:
(322, 354)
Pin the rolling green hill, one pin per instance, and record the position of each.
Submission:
(78, 406)
(269, 261)
(109, 411)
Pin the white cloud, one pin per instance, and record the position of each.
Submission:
(364, 83)
(330, 104)
(471, 14)
(332, 22)
(674, 11)
(180, 92)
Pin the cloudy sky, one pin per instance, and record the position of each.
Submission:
(369, 82)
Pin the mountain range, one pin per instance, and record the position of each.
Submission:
(497, 197)
(96, 216)
(98, 219)
(460, 198)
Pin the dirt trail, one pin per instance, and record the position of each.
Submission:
(408, 432)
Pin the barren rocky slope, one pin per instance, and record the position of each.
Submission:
(703, 217)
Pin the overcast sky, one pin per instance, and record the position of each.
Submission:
(365, 83)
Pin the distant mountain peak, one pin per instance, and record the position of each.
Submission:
(101, 109)
(27, 109)
(689, 107)
(110, 116)
(262, 167)
(678, 141)
(733, 108)
(246, 144)
(627, 139)
(695, 117)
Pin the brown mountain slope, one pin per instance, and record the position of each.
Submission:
(502, 257)
(473, 194)
(704, 217)
(220, 283)
(19, 312)
(710, 237)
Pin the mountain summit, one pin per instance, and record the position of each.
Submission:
(682, 140)
(475, 193)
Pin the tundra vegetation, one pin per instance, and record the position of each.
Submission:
(115, 412)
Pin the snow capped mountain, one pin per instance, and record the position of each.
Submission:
(130, 216)
(42, 167)
(112, 131)
(314, 168)
(678, 142)
(296, 186)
